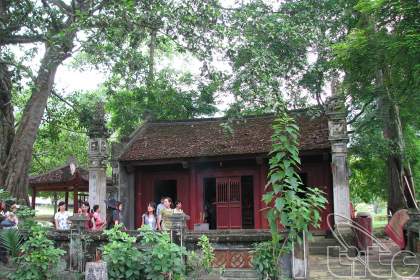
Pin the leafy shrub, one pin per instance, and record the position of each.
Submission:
(200, 262)
(39, 258)
(161, 258)
(265, 259)
(25, 212)
(25, 215)
(5, 195)
(290, 204)
(11, 240)
(121, 255)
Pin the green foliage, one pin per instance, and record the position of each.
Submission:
(161, 258)
(24, 212)
(122, 256)
(39, 258)
(380, 59)
(265, 259)
(207, 251)
(11, 240)
(5, 195)
(61, 135)
(288, 203)
(170, 96)
(199, 263)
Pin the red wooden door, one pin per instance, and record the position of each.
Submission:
(228, 203)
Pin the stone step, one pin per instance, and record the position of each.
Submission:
(248, 274)
(319, 245)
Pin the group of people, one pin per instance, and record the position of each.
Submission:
(8, 217)
(94, 222)
(156, 217)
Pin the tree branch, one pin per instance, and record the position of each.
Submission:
(360, 113)
(63, 6)
(21, 39)
(63, 100)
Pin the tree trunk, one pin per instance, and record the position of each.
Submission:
(152, 46)
(7, 120)
(392, 131)
(20, 154)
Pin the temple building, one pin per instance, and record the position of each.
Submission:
(219, 174)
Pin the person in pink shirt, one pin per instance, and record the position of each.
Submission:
(98, 224)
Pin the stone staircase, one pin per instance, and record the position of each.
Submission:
(319, 245)
(246, 274)
(232, 274)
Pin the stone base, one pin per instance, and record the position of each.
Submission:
(96, 271)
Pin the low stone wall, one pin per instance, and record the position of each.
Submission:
(232, 247)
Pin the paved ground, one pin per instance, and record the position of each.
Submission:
(385, 265)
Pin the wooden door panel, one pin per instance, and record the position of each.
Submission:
(222, 212)
(235, 215)
(228, 202)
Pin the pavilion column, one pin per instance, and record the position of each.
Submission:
(338, 137)
(66, 200)
(97, 160)
(75, 201)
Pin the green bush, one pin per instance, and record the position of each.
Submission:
(121, 255)
(39, 259)
(199, 263)
(161, 258)
(11, 240)
(265, 258)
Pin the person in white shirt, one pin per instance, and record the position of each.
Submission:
(61, 218)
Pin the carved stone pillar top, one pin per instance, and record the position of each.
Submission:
(98, 152)
(337, 123)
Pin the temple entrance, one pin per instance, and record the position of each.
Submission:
(229, 202)
(210, 202)
(247, 190)
(165, 188)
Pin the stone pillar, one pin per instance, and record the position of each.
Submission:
(338, 137)
(97, 160)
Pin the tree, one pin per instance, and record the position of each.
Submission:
(294, 50)
(137, 42)
(126, 26)
(54, 24)
(380, 58)
(283, 52)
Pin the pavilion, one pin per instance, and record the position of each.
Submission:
(67, 178)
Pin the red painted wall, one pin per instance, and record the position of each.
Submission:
(190, 187)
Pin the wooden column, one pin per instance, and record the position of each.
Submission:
(66, 200)
(259, 191)
(33, 197)
(75, 201)
(195, 212)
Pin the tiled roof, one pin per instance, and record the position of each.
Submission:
(206, 137)
(60, 175)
